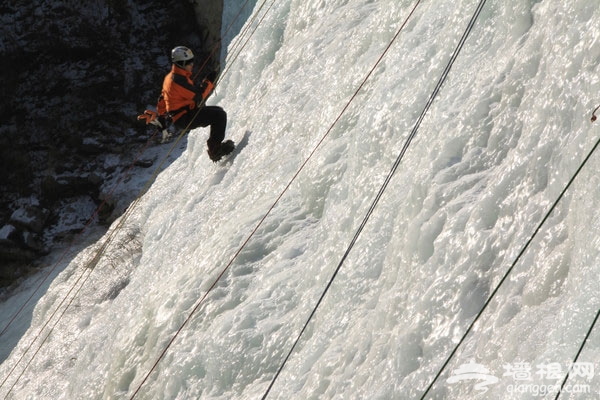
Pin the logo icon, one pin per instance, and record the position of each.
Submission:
(474, 372)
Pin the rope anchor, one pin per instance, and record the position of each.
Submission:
(594, 114)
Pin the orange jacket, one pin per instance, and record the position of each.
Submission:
(180, 94)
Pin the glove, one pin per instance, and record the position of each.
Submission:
(149, 116)
(206, 89)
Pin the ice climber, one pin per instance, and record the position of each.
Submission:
(183, 103)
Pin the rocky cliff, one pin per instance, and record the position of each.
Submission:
(74, 77)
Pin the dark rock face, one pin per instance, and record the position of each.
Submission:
(74, 77)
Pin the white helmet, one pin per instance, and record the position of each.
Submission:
(181, 56)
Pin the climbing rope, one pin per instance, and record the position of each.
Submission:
(89, 266)
(385, 184)
(237, 53)
(241, 37)
(589, 332)
(510, 269)
(220, 41)
(162, 354)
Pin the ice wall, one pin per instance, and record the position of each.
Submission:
(506, 133)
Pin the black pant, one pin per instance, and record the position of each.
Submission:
(214, 116)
